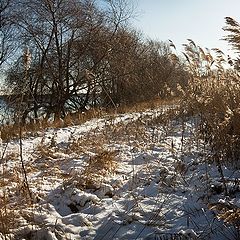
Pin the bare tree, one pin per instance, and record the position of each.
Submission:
(66, 38)
(6, 31)
(84, 55)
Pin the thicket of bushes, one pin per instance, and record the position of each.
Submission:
(70, 55)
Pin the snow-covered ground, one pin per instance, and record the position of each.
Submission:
(128, 176)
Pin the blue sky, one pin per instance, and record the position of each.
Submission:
(178, 20)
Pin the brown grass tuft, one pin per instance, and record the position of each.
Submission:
(230, 214)
(98, 167)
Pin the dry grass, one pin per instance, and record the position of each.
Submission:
(5, 216)
(11, 131)
(151, 104)
(97, 168)
(213, 94)
(13, 198)
(229, 213)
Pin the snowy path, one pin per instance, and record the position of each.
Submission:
(158, 189)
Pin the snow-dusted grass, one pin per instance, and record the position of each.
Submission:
(125, 176)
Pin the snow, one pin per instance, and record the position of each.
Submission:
(159, 189)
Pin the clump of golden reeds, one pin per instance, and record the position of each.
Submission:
(213, 94)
